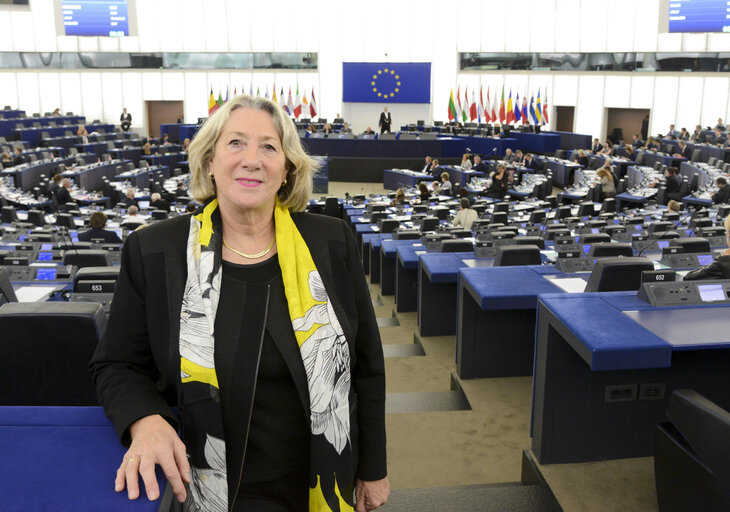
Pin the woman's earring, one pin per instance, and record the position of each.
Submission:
(284, 183)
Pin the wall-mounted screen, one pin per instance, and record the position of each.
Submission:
(699, 16)
(110, 18)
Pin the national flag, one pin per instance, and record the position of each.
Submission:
(297, 106)
(464, 113)
(266, 92)
(289, 103)
(212, 105)
(480, 109)
(473, 113)
(458, 103)
(226, 100)
(220, 99)
(234, 91)
(524, 110)
(282, 99)
(273, 95)
(545, 119)
(257, 92)
(305, 104)
(532, 110)
(502, 113)
(494, 105)
(538, 109)
(313, 106)
(517, 108)
(250, 89)
(452, 106)
(510, 109)
(488, 115)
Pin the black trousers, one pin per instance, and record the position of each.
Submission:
(287, 494)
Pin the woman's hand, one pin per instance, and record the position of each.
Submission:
(154, 441)
(371, 495)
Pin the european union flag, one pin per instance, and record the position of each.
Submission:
(386, 82)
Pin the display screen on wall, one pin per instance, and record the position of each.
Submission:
(386, 82)
(699, 16)
(95, 17)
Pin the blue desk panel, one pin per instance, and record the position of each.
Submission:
(538, 142)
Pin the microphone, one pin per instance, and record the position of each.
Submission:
(673, 226)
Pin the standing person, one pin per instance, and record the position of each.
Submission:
(385, 121)
(501, 180)
(258, 318)
(126, 120)
(181, 119)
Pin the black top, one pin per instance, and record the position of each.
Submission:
(718, 269)
(100, 234)
(722, 195)
(499, 186)
(279, 434)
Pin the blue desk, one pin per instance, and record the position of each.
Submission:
(586, 342)
(374, 258)
(133, 154)
(62, 458)
(92, 178)
(538, 142)
(495, 330)
(393, 179)
(170, 160)
(28, 177)
(406, 276)
(562, 170)
(388, 263)
(140, 178)
(98, 148)
(8, 126)
(461, 176)
(34, 134)
(569, 140)
(626, 197)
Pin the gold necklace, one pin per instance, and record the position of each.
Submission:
(252, 256)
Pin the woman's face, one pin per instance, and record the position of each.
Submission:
(249, 165)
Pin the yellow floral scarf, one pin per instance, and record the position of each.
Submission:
(324, 351)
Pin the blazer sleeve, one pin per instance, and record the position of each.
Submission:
(368, 375)
(123, 367)
(715, 270)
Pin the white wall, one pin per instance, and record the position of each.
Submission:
(380, 30)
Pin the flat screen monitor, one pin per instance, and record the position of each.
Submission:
(704, 259)
(110, 18)
(46, 247)
(698, 16)
(143, 205)
(711, 292)
(45, 274)
(663, 243)
(45, 256)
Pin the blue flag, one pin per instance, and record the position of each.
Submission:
(532, 110)
(518, 116)
(386, 82)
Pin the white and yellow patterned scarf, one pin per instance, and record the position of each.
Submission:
(324, 353)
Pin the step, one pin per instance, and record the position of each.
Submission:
(429, 401)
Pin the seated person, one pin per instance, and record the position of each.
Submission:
(466, 216)
(630, 152)
(446, 188)
(311, 128)
(718, 269)
(718, 138)
(697, 135)
(327, 129)
(509, 156)
(683, 150)
(530, 162)
(97, 231)
(191, 207)
(83, 133)
(674, 206)
(399, 199)
(597, 147)
(165, 140)
(651, 145)
(683, 134)
(6, 159)
(479, 165)
(636, 141)
(133, 217)
(54, 185)
(464, 193)
(19, 158)
(720, 126)
(581, 158)
(180, 191)
(346, 129)
(607, 148)
(723, 191)
(435, 169)
(520, 156)
(673, 183)
(146, 149)
(672, 133)
(427, 166)
(63, 195)
(186, 144)
(129, 200)
(424, 195)
(607, 184)
(465, 162)
(369, 131)
(157, 203)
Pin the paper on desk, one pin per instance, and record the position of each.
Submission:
(33, 293)
(568, 284)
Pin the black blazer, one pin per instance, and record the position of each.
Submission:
(109, 237)
(722, 195)
(718, 269)
(144, 327)
(63, 196)
(597, 147)
(480, 167)
(384, 122)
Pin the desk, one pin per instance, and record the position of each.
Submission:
(133, 154)
(170, 160)
(586, 342)
(388, 263)
(538, 142)
(140, 178)
(393, 179)
(631, 198)
(98, 148)
(179, 132)
(30, 176)
(9, 126)
(92, 177)
(562, 170)
(62, 458)
(33, 135)
(569, 140)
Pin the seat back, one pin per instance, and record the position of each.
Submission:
(513, 255)
(609, 250)
(617, 274)
(44, 352)
(7, 293)
(86, 258)
(456, 245)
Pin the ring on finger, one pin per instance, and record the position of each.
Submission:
(131, 459)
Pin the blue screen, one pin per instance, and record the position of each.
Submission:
(45, 256)
(616, 221)
(46, 247)
(594, 230)
(22, 238)
(698, 16)
(663, 243)
(46, 274)
(638, 227)
(95, 17)
(586, 248)
(704, 259)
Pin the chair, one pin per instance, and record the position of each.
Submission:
(429, 224)
(529, 240)
(608, 206)
(610, 250)
(66, 220)
(456, 245)
(498, 218)
(586, 210)
(537, 217)
(514, 255)
(406, 234)
(659, 226)
(159, 214)
(617, 274)
(692, 455)
(562, 212)
(8, 215)
(7, 293)
(86, 258)
(388, 225)
(37, 218)
(711, 161)
(44, 352)
(696, 155)
(501, 207)
(332, 207)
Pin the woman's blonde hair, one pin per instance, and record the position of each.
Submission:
(300, 167)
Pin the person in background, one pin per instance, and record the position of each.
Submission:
(530, 162)
(435, 168)
(509, 156)
(186, 144)
(501, 180)
(479, 166)
(181, 119)
(697, 135)
(19, 158)
(581, 158)
(165, 140)
(723, 191)
(718, 269)
(399, 199)
(97, 221)
(54, 185)
(327, 129)
(597, 147)
(629, 151)
(607, 185)
(191, 207)
(465, 162)
(146, 149)
(446, 188)
(520, 157)
(6, 159)
(672, 133)
(464, 193)
(132, 216)
(83, 133)
(346, 128)
(423, 193)
(718, 138)
(180, 190)
(385, 121)
(63, 195)
(466, 216)
(674, 206)
(636, 141)
(683, 150)
(720, 125)
(427, 167)
(56, 112)
(125, 120)
(607, 148)
(129, 200)
(369, 131)
(684, 134)
(311, 128)
(157, 203)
